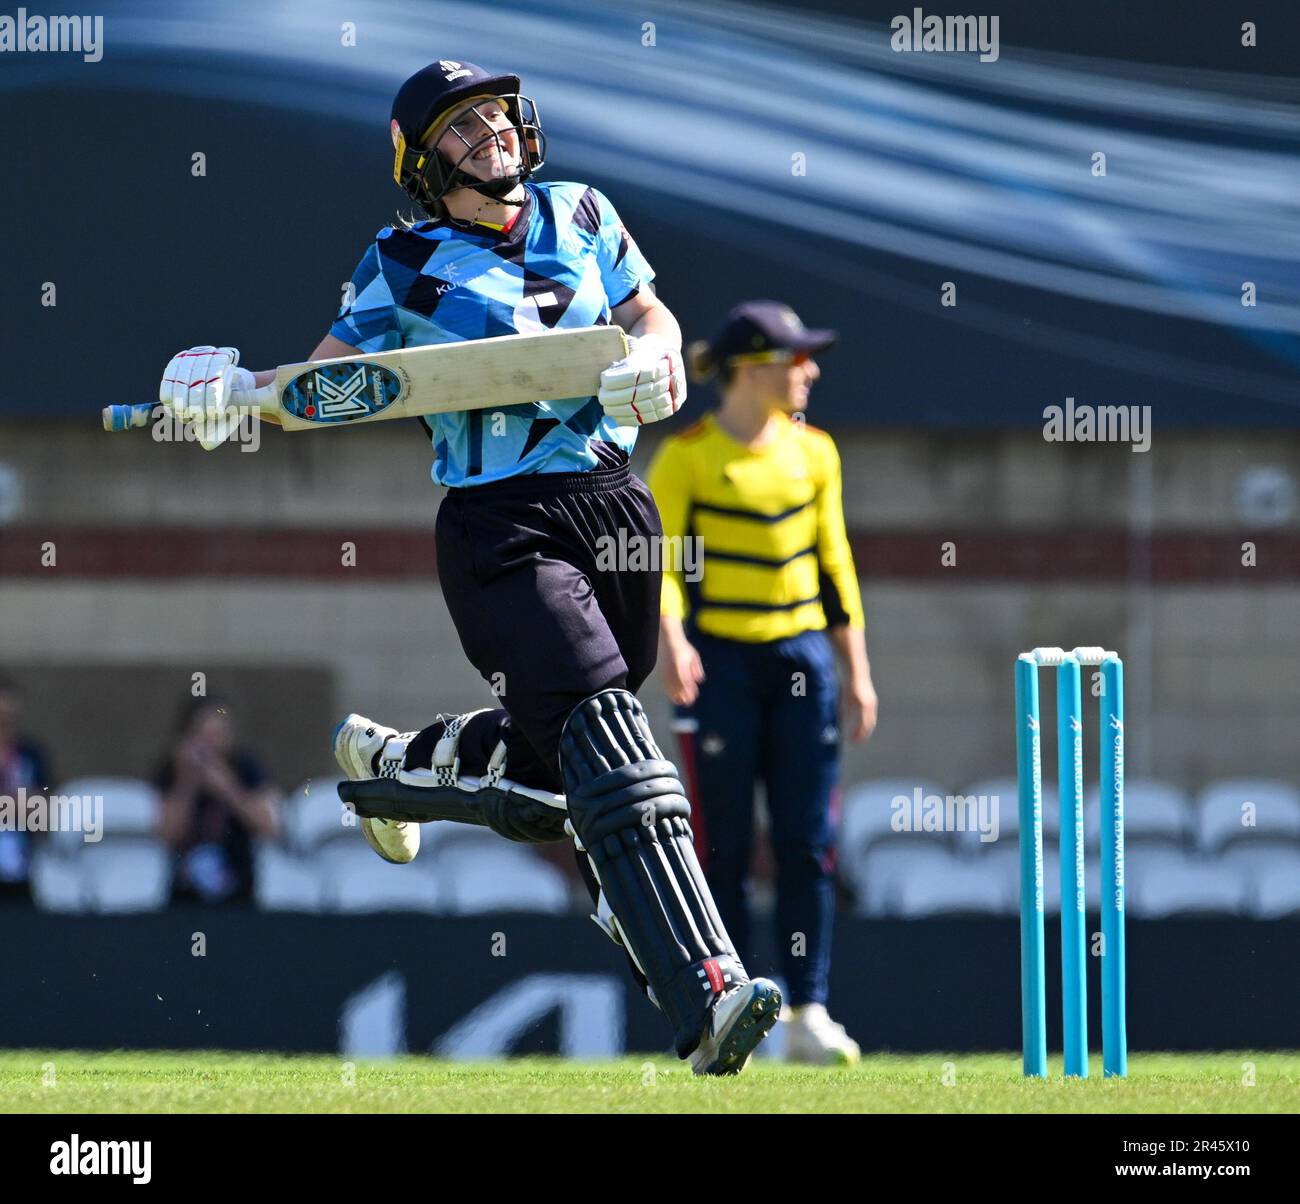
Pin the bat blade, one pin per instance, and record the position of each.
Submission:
(448, 377)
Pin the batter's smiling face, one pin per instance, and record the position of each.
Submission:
(483, 125)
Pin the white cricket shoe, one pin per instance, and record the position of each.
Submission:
(738, 1021)
(357, 743)
(814, 1038)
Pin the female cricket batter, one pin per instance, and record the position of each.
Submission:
(755, 678)
(532, 492)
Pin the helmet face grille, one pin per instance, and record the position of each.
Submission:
(426, 175)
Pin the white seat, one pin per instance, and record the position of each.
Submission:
(1157, 858)
(961, 887)
(1246, 809)
(1170, 883)
(509, 877)
(56, 881)
(444, 835)
(354, 878)
(125, 874)
(1277, 892)
(1051, 875)
(122, 806)
(283, 881)
(65, 842)
(314, 815)
(1153, 810)
(999, 861)
(868, 810)
(1006, 792)
(123, 869)
(1260, 855)
(884, 868)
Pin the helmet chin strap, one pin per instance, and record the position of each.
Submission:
(493, 190)
(497, 189)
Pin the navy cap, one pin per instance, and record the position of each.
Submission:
(762, 330)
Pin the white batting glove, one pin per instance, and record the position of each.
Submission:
(647, 385)
(200, 382)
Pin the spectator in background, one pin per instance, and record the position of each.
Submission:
(215, 800)
(23, 766)
(747, 650)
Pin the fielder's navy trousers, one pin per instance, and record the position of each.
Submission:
(768, 712)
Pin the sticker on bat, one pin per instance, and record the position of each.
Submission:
(343, 392)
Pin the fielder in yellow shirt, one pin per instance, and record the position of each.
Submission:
(765, 596)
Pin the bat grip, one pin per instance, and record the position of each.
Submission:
(134, 417)
(125, 418)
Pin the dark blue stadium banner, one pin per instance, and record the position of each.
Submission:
(1097, 204)
(504, 984)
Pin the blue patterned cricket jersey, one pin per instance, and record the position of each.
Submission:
(565, 261)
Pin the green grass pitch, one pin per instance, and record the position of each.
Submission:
(127, 1082)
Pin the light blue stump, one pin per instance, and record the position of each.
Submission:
(1033, 984)
(1074, 952)
(1114, 1037)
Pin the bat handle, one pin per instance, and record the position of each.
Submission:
(125, 418)
(134, 417)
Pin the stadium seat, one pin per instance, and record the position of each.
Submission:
(508, 877)
(123, 870)
(442, 835)
(354, 879)
(56, 880)
(960, 887)
(313, 815)
(125, 874)
(867, 821)
(1276, 893)
(1000, 861)
(283, 881)
(129, 807)
(1004, 792)
(868, 808)
(884, 868)
(1153, 811)
(1274, 811)
(1260, 854)
(1167, 882)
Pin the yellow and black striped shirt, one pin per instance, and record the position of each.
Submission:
(776, 560)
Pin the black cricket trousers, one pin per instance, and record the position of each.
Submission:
(543, 609)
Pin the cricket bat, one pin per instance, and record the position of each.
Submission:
(477, 374)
